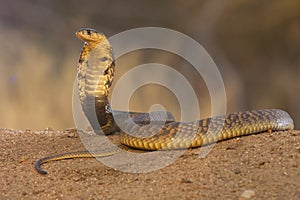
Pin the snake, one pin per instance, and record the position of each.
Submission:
(95, 72)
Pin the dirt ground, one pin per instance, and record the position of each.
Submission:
(262, 166)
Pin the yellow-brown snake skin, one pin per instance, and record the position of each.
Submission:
(94, 78)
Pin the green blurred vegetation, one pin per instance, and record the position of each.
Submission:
(255, 44)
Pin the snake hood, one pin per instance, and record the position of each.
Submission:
(94, 77)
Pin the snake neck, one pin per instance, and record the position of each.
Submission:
(95, 73)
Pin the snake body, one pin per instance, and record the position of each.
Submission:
(95, 73)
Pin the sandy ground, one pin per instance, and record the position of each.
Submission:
(263, 166)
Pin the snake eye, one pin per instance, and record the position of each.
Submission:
(88, 31)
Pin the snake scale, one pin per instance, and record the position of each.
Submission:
(94, 81)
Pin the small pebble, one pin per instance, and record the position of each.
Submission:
(230, 148)
(261, 163)
(77, 178)
(237, 171)
(247, 194)
(186, 180)
(48, 129)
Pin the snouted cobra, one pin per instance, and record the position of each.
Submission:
(94, 81)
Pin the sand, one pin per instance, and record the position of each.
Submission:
(260, 166)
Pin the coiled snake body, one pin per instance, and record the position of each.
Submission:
(94, 78)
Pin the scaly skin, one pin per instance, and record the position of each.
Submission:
(94, 77)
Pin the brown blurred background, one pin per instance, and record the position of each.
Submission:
(255, 44)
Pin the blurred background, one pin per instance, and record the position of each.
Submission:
(255, 44)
